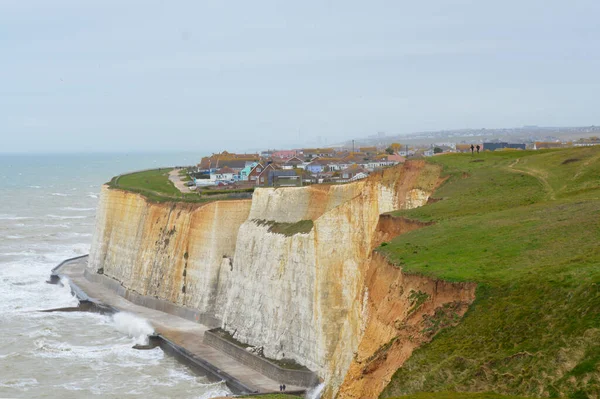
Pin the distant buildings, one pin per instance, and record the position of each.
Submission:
(286, 168)
(502, 145)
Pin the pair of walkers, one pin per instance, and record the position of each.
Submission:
(473, 148)
(282, 388)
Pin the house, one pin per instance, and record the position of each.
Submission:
(284, 178)
(587, 142)
(405, 153)
(245, 172)
(318, 152)
(255, 172)
(501, 145)
(336, 165)
(292, 163)
(263, 177)
(428, 153)
(396, 159)
(383, 160)
(284, 154)
(359, 176)
(542, 145)
(223, 174)
(317, 166)
(348, 173)
(368, 151)
(355, 157)
(234, 161)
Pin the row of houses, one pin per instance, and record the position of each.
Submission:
(284, 170)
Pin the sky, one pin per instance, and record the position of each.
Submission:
(148, 75)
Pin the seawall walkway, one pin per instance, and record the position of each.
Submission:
(184, 337)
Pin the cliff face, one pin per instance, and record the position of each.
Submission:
(176, 251)
(311, 296)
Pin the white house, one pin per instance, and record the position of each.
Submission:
(223, 174)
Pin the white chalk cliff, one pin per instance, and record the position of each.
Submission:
(305, 294)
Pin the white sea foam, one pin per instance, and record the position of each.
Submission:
(76, 209)
(315, 393)
(14, 237)
(60, 194)
(133, 326)
(13, 217)
(92, 195)
(65, 217)
(19, 383)
(34, 186)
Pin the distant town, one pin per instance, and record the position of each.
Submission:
(298, 167)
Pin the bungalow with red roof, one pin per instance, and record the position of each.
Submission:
(284, 154)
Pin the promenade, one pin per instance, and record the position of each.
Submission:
(185, 334)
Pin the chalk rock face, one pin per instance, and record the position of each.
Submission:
(300, 295)
(174, 251)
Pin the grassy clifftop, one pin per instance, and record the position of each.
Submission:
(525, 226)
(155, 185)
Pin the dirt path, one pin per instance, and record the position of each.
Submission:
(534, 173)
(176, 179)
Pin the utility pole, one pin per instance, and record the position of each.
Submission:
(353, 146)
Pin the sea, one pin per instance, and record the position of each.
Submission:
(47, 214)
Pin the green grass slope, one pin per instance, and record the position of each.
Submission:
(525, 226)
(154, 185)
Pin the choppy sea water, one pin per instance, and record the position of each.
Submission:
(47, 207)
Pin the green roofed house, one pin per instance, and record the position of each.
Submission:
(245, 172)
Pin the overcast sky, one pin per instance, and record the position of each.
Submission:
(147, 75)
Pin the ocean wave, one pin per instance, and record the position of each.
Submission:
(34, 186)
(14, 237)
(13, 217)
(92, 195)
(73, 208)
(60, 194)
(19, 383)
(65, 217)
(63, 225)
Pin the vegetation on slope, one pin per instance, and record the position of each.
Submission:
(287, 229)
(525, 226)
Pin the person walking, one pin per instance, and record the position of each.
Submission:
(478, 147)
(472, 149)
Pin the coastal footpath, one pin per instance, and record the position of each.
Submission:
(291, 272)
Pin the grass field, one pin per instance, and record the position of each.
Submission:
(156, 186)
(525, 226)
